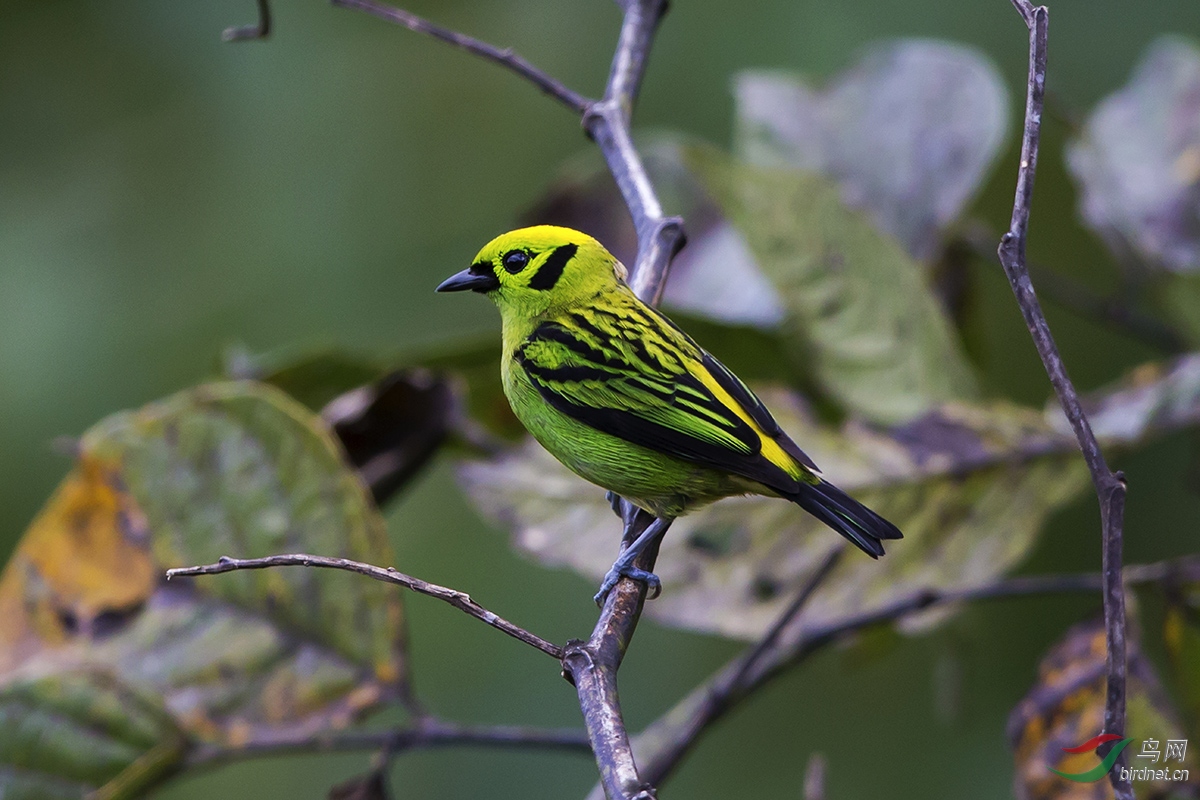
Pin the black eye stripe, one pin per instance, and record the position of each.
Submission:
(552, 268)
(515, 260)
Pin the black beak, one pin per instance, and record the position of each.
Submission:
(482, 281)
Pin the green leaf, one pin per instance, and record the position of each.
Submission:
(1137, 161)
(879, 341)
(233, 469)
(908, 132)
(970, 487)
(82, 732)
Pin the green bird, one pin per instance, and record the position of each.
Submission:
(625, 399)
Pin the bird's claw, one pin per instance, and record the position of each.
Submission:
(618, 571)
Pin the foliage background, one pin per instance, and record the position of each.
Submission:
(163, 195)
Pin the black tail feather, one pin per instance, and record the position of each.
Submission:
(847, 516)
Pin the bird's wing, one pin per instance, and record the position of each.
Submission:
(632, 375)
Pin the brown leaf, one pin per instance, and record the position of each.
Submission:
(1065, 709)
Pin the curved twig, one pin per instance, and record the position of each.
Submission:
(460, 600)
(505, 57)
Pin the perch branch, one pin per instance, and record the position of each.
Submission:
(428, 733)
(505, 57)
(590, 665)
(1110, 487)
(460, 600)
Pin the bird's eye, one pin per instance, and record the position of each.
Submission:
(515, 260)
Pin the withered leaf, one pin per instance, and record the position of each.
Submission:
(223, 469)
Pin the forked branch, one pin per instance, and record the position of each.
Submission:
(1110, 486)
(590, 665)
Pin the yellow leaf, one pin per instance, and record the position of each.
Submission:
(84, 555)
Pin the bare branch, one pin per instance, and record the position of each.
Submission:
(504, 57)
(665, 742)
(1110, 487)
(426, 734)
(591, 667)
(460, 600)
(259, 30)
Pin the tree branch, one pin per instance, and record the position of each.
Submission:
(592, 665)
(460, 600)
(1110, 487)
(667, 740)
(504, 57)
(428, 733)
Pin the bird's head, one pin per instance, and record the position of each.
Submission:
(530, 271)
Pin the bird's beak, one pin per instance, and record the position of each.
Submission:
(482, 281)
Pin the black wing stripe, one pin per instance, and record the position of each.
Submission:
(585, 325)
(662, 439)
(572, 374)
(550, 332)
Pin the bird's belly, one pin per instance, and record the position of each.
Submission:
(661, 484)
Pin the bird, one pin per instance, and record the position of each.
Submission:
(625, 399)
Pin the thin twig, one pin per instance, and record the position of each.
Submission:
(428, 733)
(771, 639)
(460, 600)
(505, 57)
(259, 30)
(1110, 487)
(814, 777)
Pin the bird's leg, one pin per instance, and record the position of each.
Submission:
(614, 500)
(623, 566)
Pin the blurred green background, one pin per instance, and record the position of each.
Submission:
(164, 195)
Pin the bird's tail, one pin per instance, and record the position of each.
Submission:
(847, 516)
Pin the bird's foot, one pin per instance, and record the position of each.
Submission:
(618, 571)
